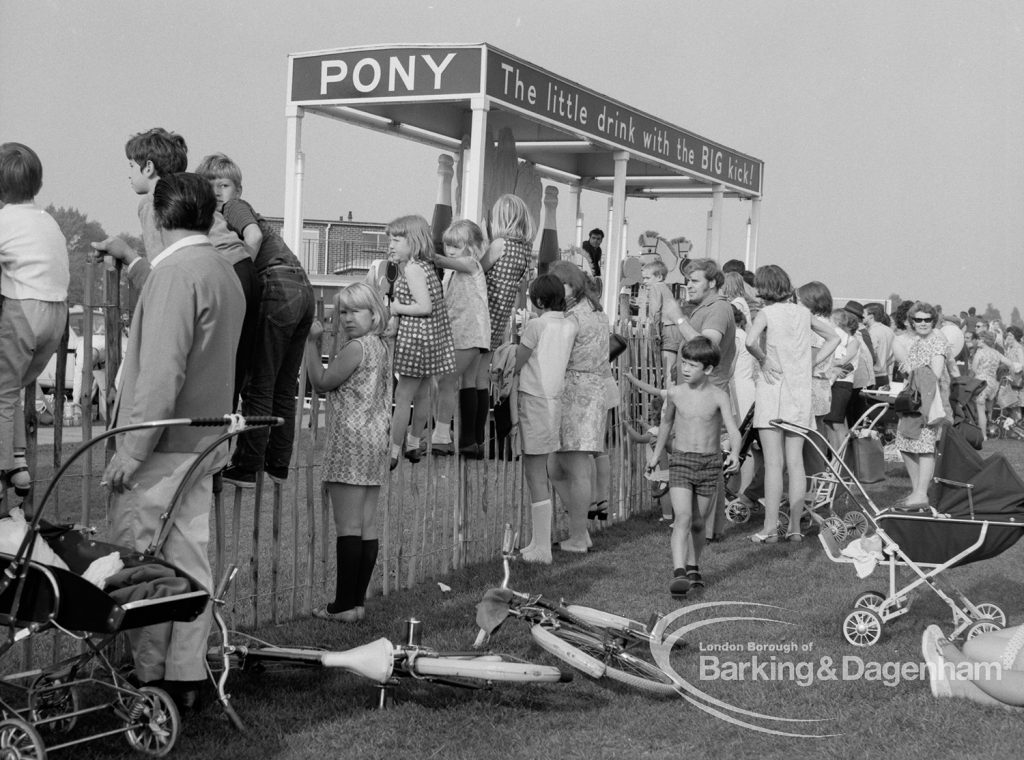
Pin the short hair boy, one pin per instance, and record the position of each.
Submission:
(654, 294)
(694, 413)
(151, 155)
(285, 316)
(156, 154)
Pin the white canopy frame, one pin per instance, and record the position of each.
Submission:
(438, 94)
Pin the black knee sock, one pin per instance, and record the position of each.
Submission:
(367, 563)
(482, 410)
(467, 416)
(349, 551)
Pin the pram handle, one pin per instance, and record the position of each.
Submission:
(236, 422)
(228, 419)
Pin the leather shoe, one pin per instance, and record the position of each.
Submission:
(186, 695)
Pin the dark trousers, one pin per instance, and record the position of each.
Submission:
(285, 315)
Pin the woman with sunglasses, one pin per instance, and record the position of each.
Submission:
(917, 433)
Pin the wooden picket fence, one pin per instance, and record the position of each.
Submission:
(438, 515)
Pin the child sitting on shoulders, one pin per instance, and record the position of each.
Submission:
(541, 360)
(694, 413)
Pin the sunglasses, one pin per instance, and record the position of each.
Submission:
(921, 320)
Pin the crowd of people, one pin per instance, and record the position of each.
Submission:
(225, 319)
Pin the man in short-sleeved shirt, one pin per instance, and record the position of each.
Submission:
(712, 316)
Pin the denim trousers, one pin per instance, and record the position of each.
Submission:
(286, 313)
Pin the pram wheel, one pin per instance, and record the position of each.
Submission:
(871, 600)
(836, 527)
(856, 524)
(19, 741)
(48, 700)
(737, 512)
(862, 627)
(979, 627)
(783, 526)
(992, 611)
(154, 722)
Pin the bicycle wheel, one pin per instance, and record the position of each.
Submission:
(570, 644)
(485, 667)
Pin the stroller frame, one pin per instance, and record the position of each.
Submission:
(35, 597)
(863, 625)
(822, 487)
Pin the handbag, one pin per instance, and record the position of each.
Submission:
(866, 457)
(616, 345)
(908, 401)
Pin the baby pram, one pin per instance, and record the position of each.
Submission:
(36, 597)
(976, 512)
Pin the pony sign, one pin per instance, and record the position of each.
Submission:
(385, 74)
(366, 74)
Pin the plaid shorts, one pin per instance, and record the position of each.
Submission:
(698, 472)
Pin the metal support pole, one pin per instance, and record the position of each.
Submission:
(473, 188)
(575, 193)
(755, 228)
(716, 222)
(293, 169)
(616, 244)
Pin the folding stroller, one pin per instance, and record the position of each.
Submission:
(35, 597)
(976, 512)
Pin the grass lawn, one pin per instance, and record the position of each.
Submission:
(312, 714)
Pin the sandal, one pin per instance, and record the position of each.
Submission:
(795, 537)
(771, 538)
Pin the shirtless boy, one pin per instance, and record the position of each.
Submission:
(693, 416)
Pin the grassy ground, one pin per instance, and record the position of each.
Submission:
(306, 714)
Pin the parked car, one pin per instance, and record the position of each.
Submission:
(47, 380)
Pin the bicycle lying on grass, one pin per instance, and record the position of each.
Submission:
(598, 643)
(380, 661)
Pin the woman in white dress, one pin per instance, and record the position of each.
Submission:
(783, 391)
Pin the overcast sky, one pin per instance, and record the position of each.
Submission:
(892, 132)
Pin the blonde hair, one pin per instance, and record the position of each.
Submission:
(510, 218)
(359, 295)
(416, 230)
(463, 234)
(219, 166)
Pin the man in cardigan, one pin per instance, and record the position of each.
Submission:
(179, 363)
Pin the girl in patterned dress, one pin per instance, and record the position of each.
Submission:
(584, 404)
(423, 345)
(505, 264)
(357, 381)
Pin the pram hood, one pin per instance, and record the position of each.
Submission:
(997, 490)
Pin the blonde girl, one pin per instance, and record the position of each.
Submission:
(423, 345)
(505, 263)
(465, 296)
(357, 382)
